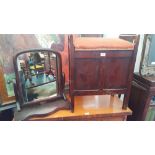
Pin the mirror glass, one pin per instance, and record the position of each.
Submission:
(147, 64)
(151, 55)
(37, 72)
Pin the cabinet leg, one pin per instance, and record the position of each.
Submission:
(72, 103)
(146, 107)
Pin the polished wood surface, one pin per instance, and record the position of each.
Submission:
(96, 107)
(40, 110)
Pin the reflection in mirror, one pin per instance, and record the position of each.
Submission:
(39, 85)
(37, 74)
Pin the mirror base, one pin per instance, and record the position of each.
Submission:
(40, 110)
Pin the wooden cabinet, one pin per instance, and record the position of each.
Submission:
(141, 98)
(102, 71)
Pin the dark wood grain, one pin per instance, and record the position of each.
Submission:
(93, 74)
(142, 91)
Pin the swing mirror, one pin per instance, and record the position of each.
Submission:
(38, 76)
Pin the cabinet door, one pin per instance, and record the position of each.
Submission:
(116, 73)
(86, 75)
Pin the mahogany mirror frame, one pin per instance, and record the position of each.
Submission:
(60, 80)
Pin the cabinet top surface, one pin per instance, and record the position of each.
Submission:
(148, 80)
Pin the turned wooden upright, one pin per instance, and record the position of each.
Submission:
(100, 66)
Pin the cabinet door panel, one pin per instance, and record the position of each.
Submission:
(86, 75)
(116, 73)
